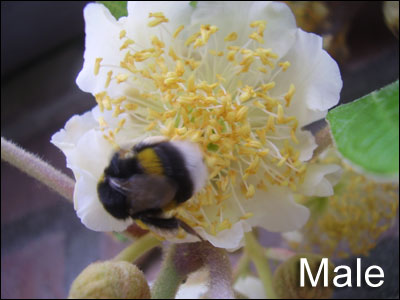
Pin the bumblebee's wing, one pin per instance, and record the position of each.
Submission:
(145, 192)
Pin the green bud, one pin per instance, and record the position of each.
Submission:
(110, 280)
(286, 280)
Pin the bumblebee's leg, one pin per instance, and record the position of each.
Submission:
(189, 229)
(168, 224)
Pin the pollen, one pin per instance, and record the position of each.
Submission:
(192, 85)
(247, 94)
(158, 19)
(177, 31)
(257, 37)
(122, 34)
(126, 44)
(250, 191)
(103, 124)
(231, 37)
(97, 65)
(284, 65)
(120, 125)
(109, 75)
(122, 77)
(289, 94)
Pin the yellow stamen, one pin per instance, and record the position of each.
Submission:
(240, 127)
(247, 94)
(120, 125)
(99, 99)
(159, 18)
(246, 216)
(289, 94)
(121, 77)
(177, 31)
(122, 34)
(231, 37)
(192, 38)
(97, 65)
(250, 191)
(257, 37)
(102, 123)
(173, 54)
(284, 65)
(109, 74)
(107, 102)
(131, 106)
(126, 44)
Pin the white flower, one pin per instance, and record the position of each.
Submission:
(240, 80)
(196, 287)
(349, 222)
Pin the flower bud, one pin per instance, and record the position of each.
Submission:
(110, 280)
(391, 13)
(286, 280)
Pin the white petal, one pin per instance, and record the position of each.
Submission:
(279, 33)
(293, 236)
(315, 75)
(195, 286)
(102, 41)
(83, 143)
(320, 179)
(251, 287)
(306, 145)
(89, 208)
(276, 210)
(67, 138)
(230, 239)
(92, 153)
(177, 12)
(131, 132)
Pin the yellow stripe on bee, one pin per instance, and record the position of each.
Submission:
(150, 162)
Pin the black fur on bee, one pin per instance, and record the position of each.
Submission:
(152, 176)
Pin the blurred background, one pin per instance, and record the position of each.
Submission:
(43, 244)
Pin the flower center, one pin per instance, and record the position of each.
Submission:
(188, 89)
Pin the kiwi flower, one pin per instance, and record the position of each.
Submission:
(240, 80)
(350, 222)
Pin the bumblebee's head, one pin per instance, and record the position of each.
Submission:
(122, 165)
(113, 200)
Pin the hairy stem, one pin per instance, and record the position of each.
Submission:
(37, 168)
(217, 261)
(183, 259)
(172, 273)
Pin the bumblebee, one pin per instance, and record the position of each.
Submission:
(155, 175)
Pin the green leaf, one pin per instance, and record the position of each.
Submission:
(366, 131)
(117, 8)
(193, 4)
